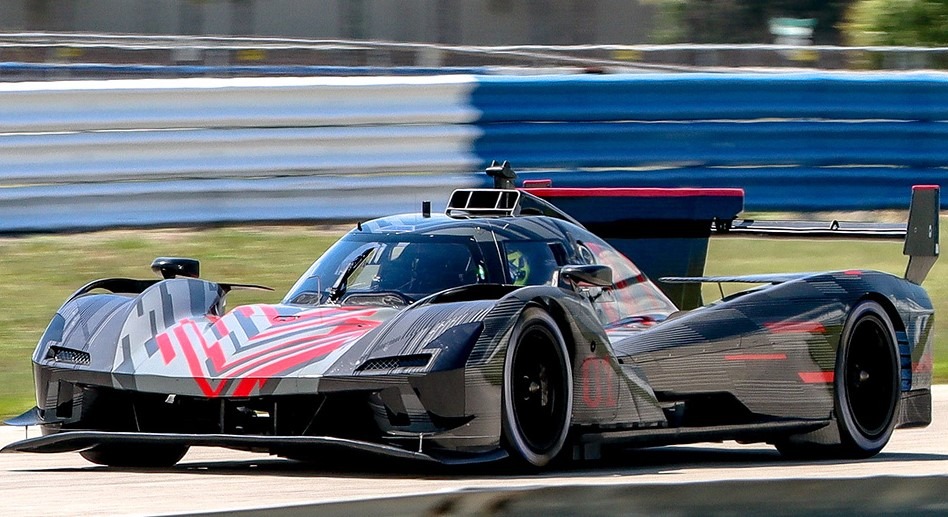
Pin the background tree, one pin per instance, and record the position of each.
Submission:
(897, 22)
(742, 21)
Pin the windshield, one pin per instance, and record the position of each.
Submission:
(412, 266)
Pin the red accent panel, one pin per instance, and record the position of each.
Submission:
(294, 361)
(269, 312)
(755, 357)
(925, 187)
(635, 192)
(290, 347)
(165, 347)
(600, 384)
(221, 326)
(324, 318)
(781, 327)
(317, 333)
(537, 184)
(817, 377)
(245, 387)
(214, 352)
(194, 365)
(924, 365)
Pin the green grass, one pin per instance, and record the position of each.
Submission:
(38, 272)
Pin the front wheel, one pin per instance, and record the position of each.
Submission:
(537, 391)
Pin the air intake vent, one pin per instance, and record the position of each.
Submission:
(395, 362)
(483, 203)
(68, 355)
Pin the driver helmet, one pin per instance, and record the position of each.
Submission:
(518, 266)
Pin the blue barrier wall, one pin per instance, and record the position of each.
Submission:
(315, 148)
(798, 141)
(732, 96)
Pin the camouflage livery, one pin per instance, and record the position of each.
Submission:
(491, 331)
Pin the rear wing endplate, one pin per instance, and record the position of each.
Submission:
(921, 238)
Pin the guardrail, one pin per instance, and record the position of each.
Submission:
(212, 201)
(226, 153)
(88, 154)
(48, 52)
(159, 104)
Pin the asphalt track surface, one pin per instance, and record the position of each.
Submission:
(215, 480)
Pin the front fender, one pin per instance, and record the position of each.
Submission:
(157, 308)
(113, 331)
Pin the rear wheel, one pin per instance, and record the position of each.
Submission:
(538, 390)
(134, 455)
(866, 385)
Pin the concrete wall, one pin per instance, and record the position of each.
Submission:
(474, 22)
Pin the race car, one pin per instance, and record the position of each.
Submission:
(501, 328)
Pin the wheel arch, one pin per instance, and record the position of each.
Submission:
(848, 438)
(857, 440)
(887, 305)
(898, 325)
(559, 315)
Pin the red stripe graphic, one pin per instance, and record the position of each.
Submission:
(755, 357)
(924, 365)
(216, 354)
(817, 377)
(194, 365)
(781, 327)
(293, 347)
(285, 364)
(214, 351)
(305, 320)
(165, 346)
(330, 329)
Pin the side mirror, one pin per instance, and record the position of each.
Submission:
(590, 274)
(170, 267)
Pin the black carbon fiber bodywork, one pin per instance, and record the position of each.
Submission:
(755, 346)
(162, 362)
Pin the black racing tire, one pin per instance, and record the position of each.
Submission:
(866, 385)
(867, 381)
(537, 402)
(135, 456)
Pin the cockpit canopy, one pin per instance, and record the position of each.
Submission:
(396, 261)
(412, 266)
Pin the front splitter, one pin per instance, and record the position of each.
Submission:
(73, 441)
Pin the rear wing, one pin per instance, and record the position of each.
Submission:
(920, 234)
(812, 229)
